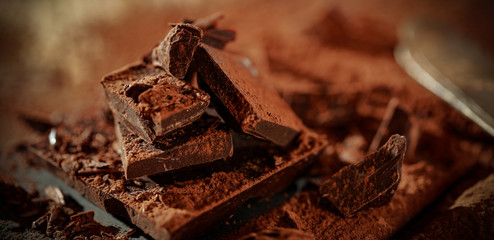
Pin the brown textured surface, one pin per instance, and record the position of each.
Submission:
(152, 103)
(175, 52)
(203, 141)
(169, 204)
(52, 60)
(243, 99)
(32, 216)
(372, 180)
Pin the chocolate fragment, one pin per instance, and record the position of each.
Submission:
(203, 141)
(242, 99)
(218, 38)
(213, 36)
(356, 186)
(175, 52)
(280, 233)
(29, 216)
(151, 103)
(174, 205)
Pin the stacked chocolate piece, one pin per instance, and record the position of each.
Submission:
(166, 110)
(160, 116)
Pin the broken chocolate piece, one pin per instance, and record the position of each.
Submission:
(203, 141)
(175, 52)
(152, 103)
(280, 234)
(242, 99)
(176, 205)
(356, 186)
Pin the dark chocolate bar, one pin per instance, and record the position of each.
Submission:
(242, 99)
(203, 141)
(356, 186)
(175, 52)
(151, 103)
(171, 205)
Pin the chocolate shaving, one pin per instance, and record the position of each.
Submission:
(371, 181)
(396, 120)
(279, 233)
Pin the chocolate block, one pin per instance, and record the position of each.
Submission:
(175, 52)
(243, 100)
(203, 141)
(171, 205)
(356, 186)
(152, 103)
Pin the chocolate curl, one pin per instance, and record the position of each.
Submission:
(371, 181)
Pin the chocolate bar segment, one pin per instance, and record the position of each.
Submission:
(243, 100)
(175, 52)
(375, 178)
(203, 141)
(151, 103)
(172, 205)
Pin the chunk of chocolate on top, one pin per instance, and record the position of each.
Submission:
(203, 141)
(152, 103)
(370, 182)
(174, 54)
(242, 99)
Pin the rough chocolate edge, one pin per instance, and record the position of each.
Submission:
(124, 111)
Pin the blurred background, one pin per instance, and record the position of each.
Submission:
(55, 52)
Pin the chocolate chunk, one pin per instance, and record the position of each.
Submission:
(356, 186)
(242, 99)
(175, 52)
(177, 205)
(203, 141)
(279, 234)
(213, 36)
(152, 103)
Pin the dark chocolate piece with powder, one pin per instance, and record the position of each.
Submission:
(242, 99)
(175, 52)
(173, 205)
(151, 103)
(357, 186)
(203, 141)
